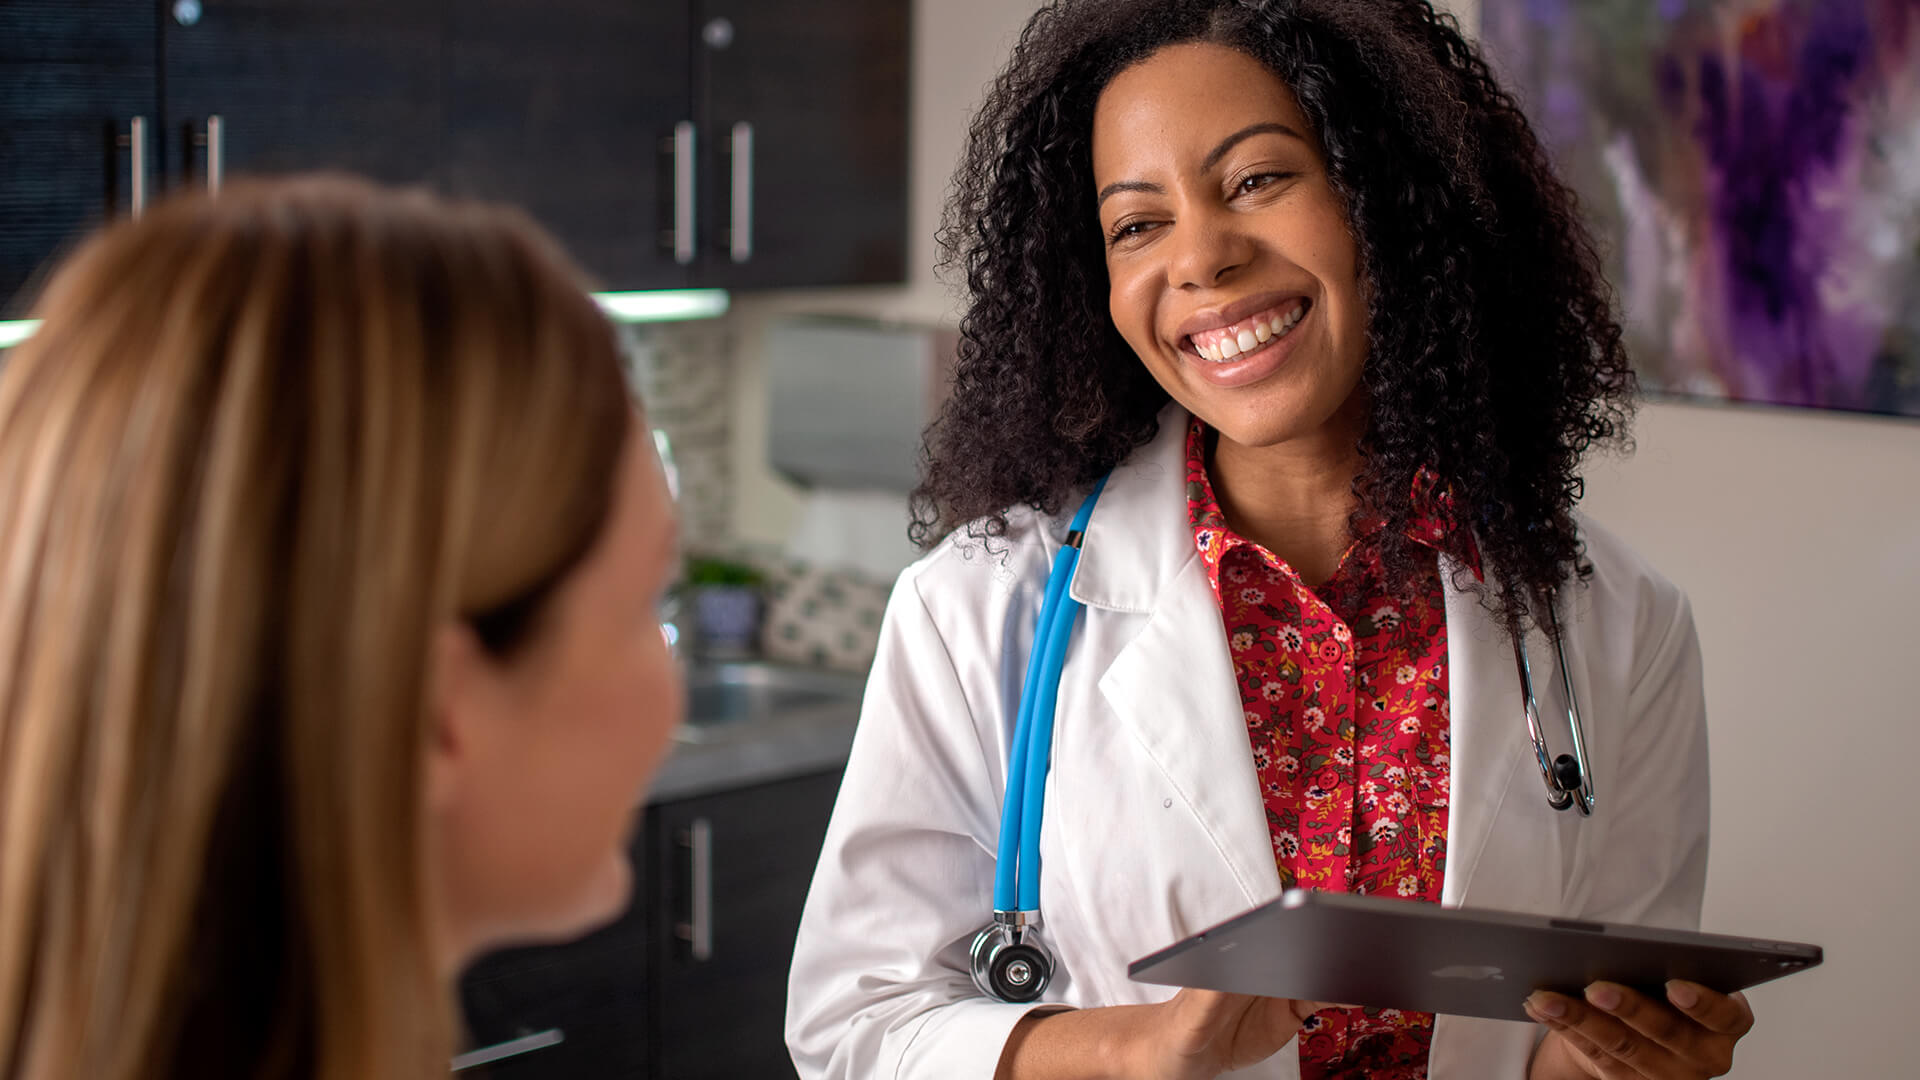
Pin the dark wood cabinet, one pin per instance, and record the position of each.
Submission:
(299, 85)
(77, 79)
(691, 982)
(737, 144)
(723, 950)
(804, 109)
(568, 108)
(579, 1010)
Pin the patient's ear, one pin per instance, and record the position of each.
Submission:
(465, 701)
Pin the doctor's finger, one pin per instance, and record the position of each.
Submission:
(1199, 1015)
(1202, 1009)
(1724, 1014)
(1610, 1068)
(1609, 1042)
(1657, 1020)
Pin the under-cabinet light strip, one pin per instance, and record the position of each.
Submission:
(669, 305)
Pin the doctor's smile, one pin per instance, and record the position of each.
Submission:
(1230, 350)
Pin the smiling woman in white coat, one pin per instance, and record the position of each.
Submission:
(1284, 298)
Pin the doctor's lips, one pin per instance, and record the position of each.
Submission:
(1214, 338)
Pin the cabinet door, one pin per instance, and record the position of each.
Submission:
(568, 108)
(303, 84)
(805, 115)
(77, 73)
(732, 878)
(578, 1010)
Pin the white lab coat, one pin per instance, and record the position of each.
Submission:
(1154, 826)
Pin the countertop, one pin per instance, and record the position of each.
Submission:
(754, 722)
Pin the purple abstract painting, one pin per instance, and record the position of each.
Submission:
(1753, 170)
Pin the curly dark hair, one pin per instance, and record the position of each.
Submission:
(1494, 355)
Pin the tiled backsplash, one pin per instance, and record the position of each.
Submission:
(684, 373)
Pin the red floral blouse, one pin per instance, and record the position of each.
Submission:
(1345, 692)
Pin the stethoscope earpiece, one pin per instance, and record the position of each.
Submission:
(1567, 771)
(1568, 778)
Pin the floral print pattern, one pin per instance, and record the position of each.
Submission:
(1344, 689)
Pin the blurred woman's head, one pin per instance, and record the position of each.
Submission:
(329, 545)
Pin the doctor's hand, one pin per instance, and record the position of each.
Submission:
(1199, 1034)
(1618, 1034)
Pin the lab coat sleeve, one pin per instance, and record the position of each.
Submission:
(880, 985)
(1657, 846)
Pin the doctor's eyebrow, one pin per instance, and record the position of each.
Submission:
(1268, 127)
(1129, 185)
(1265, 127)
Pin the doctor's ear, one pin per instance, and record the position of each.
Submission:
(466, 701)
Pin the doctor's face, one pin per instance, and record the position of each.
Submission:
(1233, 273)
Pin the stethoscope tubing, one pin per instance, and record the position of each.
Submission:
(1016, 883)
(1040, 750)
(1007, 883)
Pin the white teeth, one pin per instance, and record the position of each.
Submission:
(1256, 335)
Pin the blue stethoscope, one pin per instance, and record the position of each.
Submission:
(1008, 961)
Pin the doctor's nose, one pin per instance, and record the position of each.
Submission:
(1205, 251)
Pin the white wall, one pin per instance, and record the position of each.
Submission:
(1797, 535)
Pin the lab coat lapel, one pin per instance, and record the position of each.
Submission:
(1172, 685)
(1487, 731)
(1173, 688)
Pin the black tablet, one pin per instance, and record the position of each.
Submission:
(1399, 954)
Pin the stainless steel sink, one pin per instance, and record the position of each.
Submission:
(725, 695)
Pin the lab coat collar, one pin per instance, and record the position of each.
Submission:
(1139, 539)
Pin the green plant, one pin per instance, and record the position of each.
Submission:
(712, 570)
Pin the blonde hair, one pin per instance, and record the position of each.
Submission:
(261, 448)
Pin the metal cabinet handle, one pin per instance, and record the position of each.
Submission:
(683, 207)
(136, 141)
(216, 143)
(525, 1044)
(740, 240)
(697, 931)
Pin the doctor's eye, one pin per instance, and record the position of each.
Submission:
(1129, 230)
(1250, 184)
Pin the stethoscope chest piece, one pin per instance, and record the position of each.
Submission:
(1007, 966)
